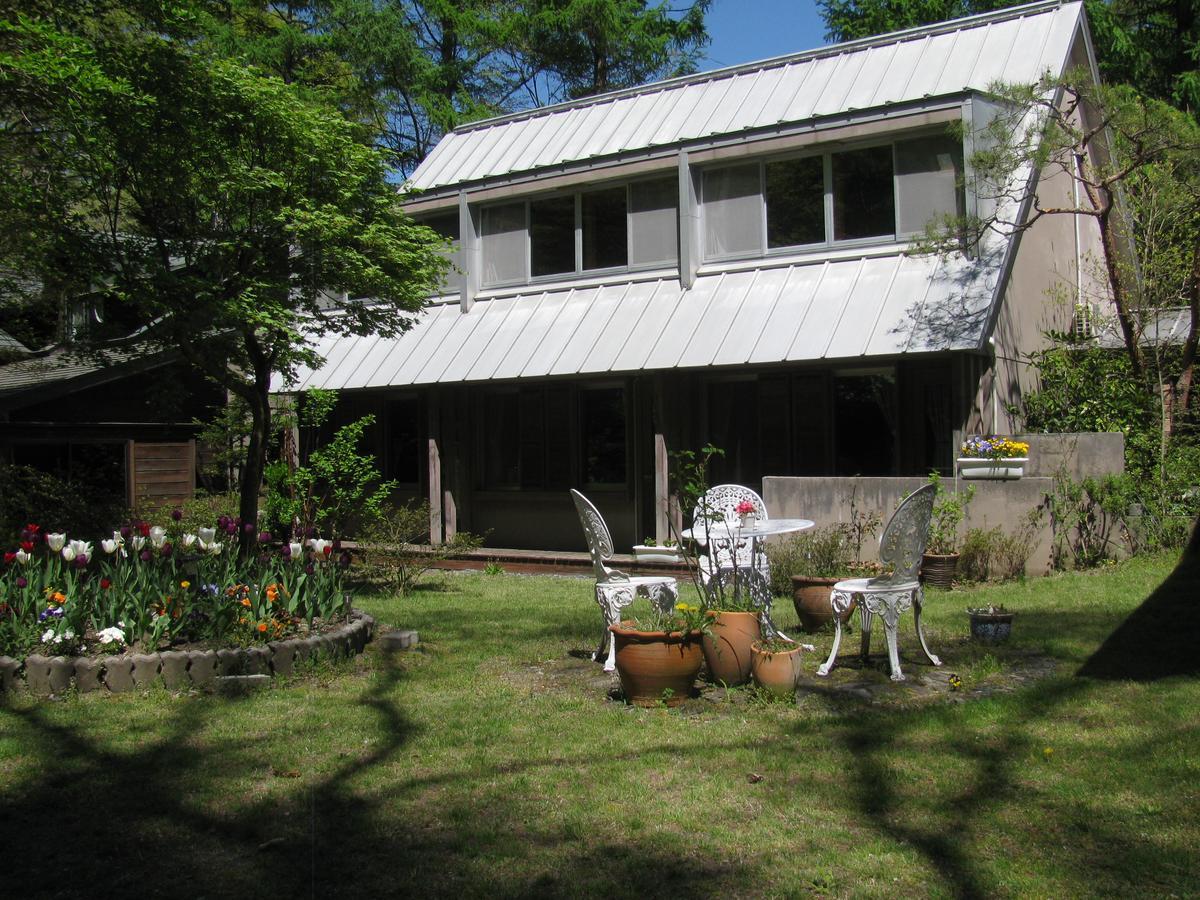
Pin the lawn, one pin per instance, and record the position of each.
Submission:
(491, 762)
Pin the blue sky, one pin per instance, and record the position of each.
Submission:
(746, 30)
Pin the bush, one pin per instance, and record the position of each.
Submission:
(75, 506)
(821, 553)
(396, 545)
(992, 555)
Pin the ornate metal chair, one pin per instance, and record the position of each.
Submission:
(730, 555)
(614, 589)
(901, 547)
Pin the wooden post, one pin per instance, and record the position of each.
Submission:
(130, 475)
(662, 500)
(435, 473)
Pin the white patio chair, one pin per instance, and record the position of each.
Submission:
(614, 589)
(726, 553)
(901, 547)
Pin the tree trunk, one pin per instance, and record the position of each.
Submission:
(252, 471)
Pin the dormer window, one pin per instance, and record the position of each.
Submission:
(880, 192)
(628, 226)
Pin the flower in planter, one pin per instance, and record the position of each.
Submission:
(993, 447)
(745, 508)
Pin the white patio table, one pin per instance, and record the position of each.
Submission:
(761, 528)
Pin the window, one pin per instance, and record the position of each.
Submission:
(867, 193)
(795, 202)
(654, 222)
(602, 434)
(611, 228)
(732, 211)
(446, 224)
(502, 241)
(928, 178)
(403, 456)
(605, 229)
(864, 201)
(864, 409)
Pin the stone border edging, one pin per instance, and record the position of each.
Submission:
(179, 669)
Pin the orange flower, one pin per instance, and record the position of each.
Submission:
(58, 597)
(242, 620)
(262, 626)
(245, 601)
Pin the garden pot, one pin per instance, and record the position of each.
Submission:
(777, 671)
(727, 647)
(939, 569)
(1010, 469)
(810, 595)
(990, 628)
(656, 667)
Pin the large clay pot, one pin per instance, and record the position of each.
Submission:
(727, 646)
(776, 671)
(656, 667)
(939, 569)
(811, 598)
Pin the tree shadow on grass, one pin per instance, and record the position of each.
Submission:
(1159, 639)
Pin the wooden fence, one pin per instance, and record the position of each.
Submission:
(159, 474)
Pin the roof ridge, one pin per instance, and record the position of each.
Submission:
(891, 37)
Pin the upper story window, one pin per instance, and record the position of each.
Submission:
(626, 226)
(872, 193)
(446, 224)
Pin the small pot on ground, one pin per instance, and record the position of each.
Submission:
(990, 624)
(656, 666)
(727, 645)
(776, 666)
(810, 595)
(939, 569)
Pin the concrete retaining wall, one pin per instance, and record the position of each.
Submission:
(1005, 503)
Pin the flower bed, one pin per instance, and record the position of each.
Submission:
(164, 587)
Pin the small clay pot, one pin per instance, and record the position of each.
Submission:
(655, 666)
(727, 646)
(991, 628)
(776, 671)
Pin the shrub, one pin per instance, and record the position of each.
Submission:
(79, 505)
(821, 553)
(397, 546)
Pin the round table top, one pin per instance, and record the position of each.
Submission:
(758, 529)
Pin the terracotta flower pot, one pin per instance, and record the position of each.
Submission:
(810, 595)
(776, 671)
(656, 667)
(939, 569)
(727, 647)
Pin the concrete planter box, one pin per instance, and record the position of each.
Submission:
(974, 468)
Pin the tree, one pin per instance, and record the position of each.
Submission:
(237, 216)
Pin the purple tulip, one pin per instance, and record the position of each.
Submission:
(126, 531)
(167, 550)
(81, 561)
(264, 558)
(310, 532)
(248, 528)
(231, 528)
(144, 556)
(344, 559)
(309, 570)
(285, 551)
(177, 514)
(21, 582)
(337, 544)
(264, 537)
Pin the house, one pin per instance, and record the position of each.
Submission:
(725, 257)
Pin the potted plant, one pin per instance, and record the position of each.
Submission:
(659, 654)
(734, 626)
(992, 458)
(776, 665)
(990, 624)
(650, 551)
(940, 561)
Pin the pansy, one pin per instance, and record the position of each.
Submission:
(111, 635)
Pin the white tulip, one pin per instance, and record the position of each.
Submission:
(81, 548)
(207, 535)
(138, 542)
(188, 540)
(296, 549)
(109, 547)
(23, 557)
(55, 541)
(158, 536)
(68, 552)
(319, 545)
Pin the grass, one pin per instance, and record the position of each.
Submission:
(491, 762)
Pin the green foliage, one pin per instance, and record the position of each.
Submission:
(78, 506)
(397, 546)
(996, 555)
(949, 510)
(336, 488)
(1087, 518)
(824, 552)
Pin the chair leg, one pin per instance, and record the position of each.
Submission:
(612, 600)
(893, 651)
(606, 635)
(918, 600)
(839, 602)
(866, 618)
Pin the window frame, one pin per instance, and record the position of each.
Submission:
(578, 272)
(826, 153)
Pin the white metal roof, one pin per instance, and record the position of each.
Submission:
(1018, 44)
(828, 309)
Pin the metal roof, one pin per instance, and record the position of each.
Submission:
(10, 344)
(1018, 44)
(61, 365)
(842, 309)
